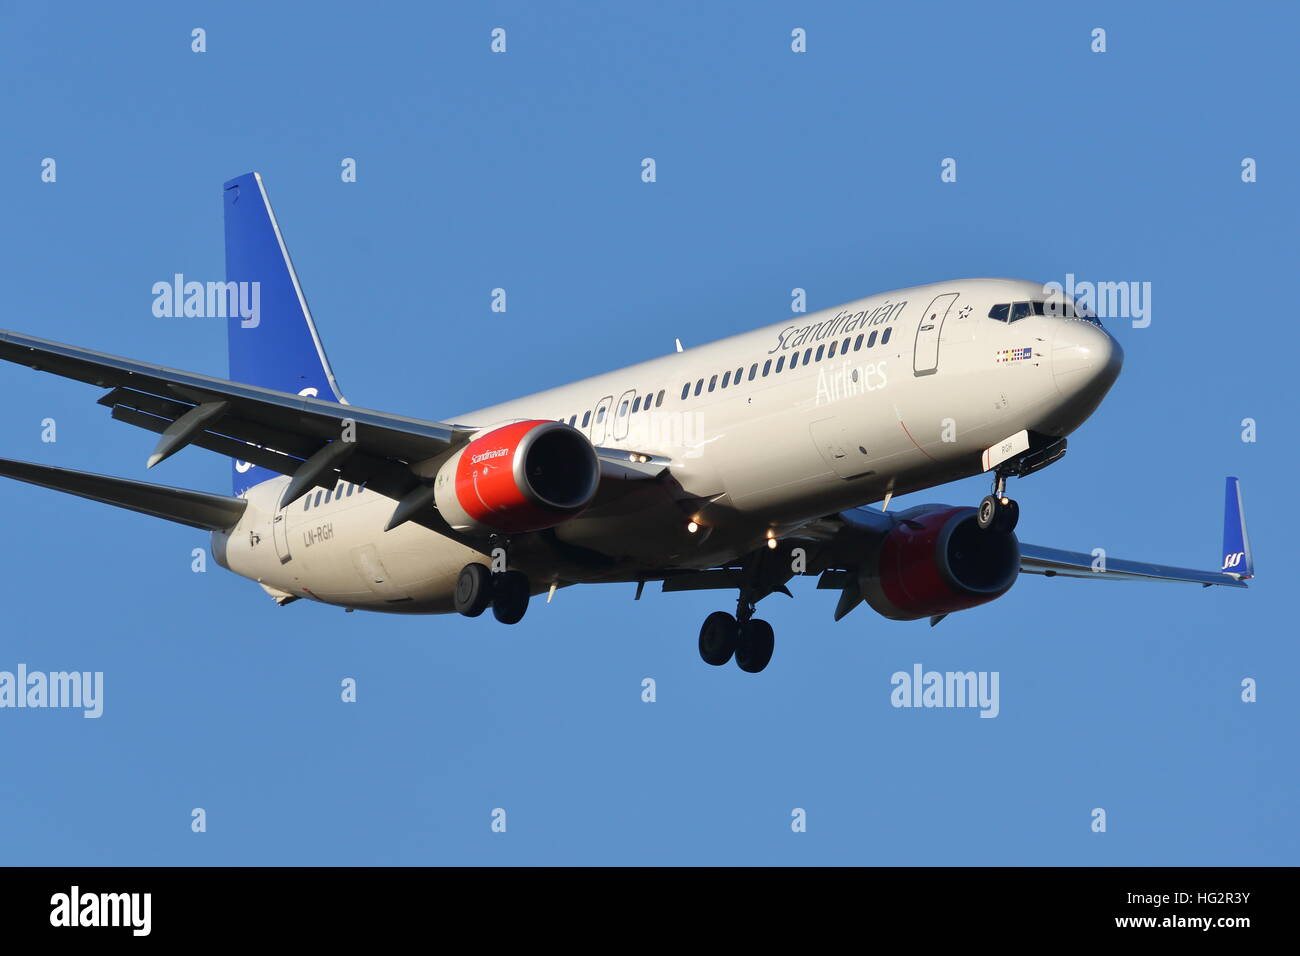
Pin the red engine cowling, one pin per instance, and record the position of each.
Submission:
(524, 476)
(938, 562)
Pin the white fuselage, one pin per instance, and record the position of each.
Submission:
(928, 381)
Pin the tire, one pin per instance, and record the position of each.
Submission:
(473, 590)
(988, 512)
(718, 638)
(1008, 516)
(755, 646)
(509, 597)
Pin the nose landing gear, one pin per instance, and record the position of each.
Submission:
(997, 511)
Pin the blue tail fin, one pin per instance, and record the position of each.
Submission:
(1237, 559)
(274, 343)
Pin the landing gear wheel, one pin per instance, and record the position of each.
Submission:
(718, 638)
(509, 596)
(755, 645)
(988, 512)
(473, 590)
(1009, 516)
(1000, 514)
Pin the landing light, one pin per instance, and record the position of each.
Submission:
(692, 527)
(771, 543)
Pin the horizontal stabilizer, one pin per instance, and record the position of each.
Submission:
(198, 509)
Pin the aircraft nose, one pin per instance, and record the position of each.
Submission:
(1084, 358)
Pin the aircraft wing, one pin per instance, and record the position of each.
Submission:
(1054, 562)
(834, 546)
(278, 425)
(1238, 564)
(275, 430)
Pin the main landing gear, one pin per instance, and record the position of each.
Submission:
(997, 511)
(746, 638)
(506, 593)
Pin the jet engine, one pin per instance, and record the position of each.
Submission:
(524, 476)
(939, 561)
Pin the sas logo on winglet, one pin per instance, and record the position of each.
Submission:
(1013, 355)
(484, 456)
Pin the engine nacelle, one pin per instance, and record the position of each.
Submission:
(524, 476)
(938, 562)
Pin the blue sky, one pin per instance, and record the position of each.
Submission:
(775, 170)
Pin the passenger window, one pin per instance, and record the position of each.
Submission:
(739, 372)
(857, 343)
(713, 381)
(726, 377)
(807, 356)
(844, 346)
(686, 390)
(999, 312)
(622, 408)
(871, 340)
(659, 399)
(306, 503)
(318, 494)
(831, 353)
(780, 360)
(586, 419)
(600, 414)
(884, 339)
(573, 419)
(794, 360)
(767, 367)
(1019, 310)
(698, 386)
(636, 405)
(820, 350)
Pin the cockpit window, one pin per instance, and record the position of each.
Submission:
(1011, 311)
(1069, 310)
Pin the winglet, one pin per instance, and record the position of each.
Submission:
(1237, 560)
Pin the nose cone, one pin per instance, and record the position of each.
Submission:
(1085, 359)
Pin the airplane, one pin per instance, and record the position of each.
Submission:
(735, 466)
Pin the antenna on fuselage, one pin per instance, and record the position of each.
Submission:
(679, 345)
